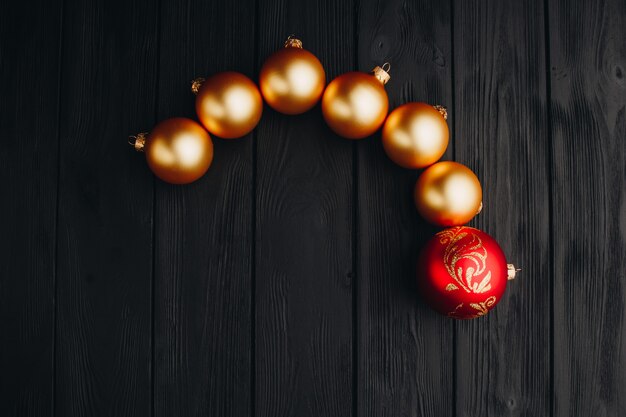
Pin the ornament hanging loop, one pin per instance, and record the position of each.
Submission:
(511, 271)
(441, 109)
(382, 73)
(196, 84)
(138, 141)
(293, 42)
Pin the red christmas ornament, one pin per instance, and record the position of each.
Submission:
(462, 272)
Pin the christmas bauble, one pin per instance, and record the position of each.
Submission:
(228, 104)
(462, 272)
(178, 150)
(355, 104)
(448, 194)
(415, 135)
(292, 79)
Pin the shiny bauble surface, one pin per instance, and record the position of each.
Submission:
(292, 80)
(355, 105)
(229, 105)
(462, 273)
(415, 135)
(179, 150)
(448, 194)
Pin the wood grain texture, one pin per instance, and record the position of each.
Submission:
(203, 233)
(105, 210)
(501, 131)
(282, 283)
(588, 107)
(304, 225)
(405, 350)
(29, 46)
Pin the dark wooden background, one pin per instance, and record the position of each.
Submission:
(282, 283)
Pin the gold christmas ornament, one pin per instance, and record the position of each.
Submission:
(292, 79)
(178, 150)
(228, 104)
(355, 104)
(448, 194)
(415, 135)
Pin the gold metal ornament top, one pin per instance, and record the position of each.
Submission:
(138, 142)
(196, 84)
(511, 271)
(382, 73)
(441, 109)
(293, 42)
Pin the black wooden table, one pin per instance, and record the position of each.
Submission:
(282, 282)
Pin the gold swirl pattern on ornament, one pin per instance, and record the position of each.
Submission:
(470, 249)
(481, 308)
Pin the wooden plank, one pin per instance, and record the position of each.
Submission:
(29, 47)
(203, 233)
(105, 210)
(304, 231)
(588, 101)
(405, 355)
(501, 130)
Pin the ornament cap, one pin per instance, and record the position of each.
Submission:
(138, 141)
(293, 42)
(441, 109)
(511, 271)
(382, 73)
(196, 84)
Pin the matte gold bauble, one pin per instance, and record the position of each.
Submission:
(178, 150)
(292, 79)
(355, 104)
(448, 194)
(229, 104)
(415, 135)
